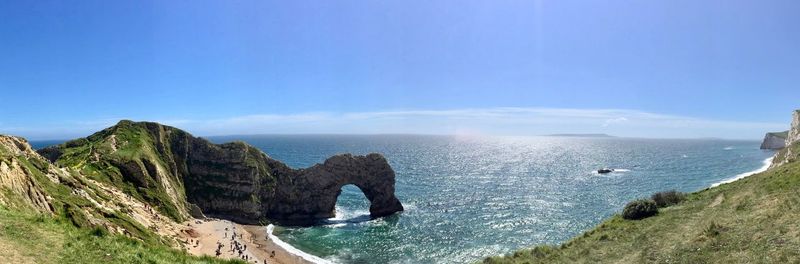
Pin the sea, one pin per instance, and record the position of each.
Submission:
(470, 197)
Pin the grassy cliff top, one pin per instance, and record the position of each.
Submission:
(783, 134)
(753, 220)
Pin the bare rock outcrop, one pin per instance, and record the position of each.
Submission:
(794, 133)
(774, 140)
(791, 151)
(231, 181)
(313, 191)
(239, 182)
(16, 184)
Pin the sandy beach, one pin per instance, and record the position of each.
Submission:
(206, 236)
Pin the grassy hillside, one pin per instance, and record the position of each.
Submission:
(130, 156)
(72, 225)
(27, 237)
(753, 220)
(72, 197)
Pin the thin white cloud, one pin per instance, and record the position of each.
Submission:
(492, 121)
(614, 121)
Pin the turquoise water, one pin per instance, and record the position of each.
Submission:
(471, 197)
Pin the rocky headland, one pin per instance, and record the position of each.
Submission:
(184, 175)
(774, 140)
(143, 190)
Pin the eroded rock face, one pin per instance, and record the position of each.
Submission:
(239, 182)
(792, 143)
(15, 179)
(314, 190)
(231, 181)
(794, 132)
(774, 140)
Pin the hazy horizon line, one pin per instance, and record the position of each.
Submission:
(494, 121)
(558, 135)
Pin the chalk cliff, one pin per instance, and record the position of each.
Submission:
(774, 140)
(794, 133)
(791, 151)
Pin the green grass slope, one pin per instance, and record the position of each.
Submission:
(73, 229)
(132, 156)
(27, 237)
(63, 186)
(753, 220)
(783, 134)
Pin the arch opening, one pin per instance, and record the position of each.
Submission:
(352, 206)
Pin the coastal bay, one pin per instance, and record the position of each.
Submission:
(467, 198)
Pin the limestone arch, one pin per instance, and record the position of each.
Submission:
(316, 189)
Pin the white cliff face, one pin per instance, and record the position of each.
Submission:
(773, 141)
(15, 180)
(789, 153)
(794, 132)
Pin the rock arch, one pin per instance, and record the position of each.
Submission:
(233, 181)
(313, 191)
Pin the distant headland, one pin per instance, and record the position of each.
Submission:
(581, 135)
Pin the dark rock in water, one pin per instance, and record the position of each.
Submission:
(175, 170)
(603, 171)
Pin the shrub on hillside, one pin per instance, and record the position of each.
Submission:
(639, 209)
(713, 230)
(668, 198)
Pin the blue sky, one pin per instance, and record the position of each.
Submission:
(631, 68)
